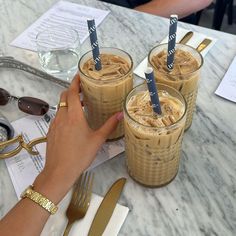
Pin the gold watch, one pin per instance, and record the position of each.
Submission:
(39, 199)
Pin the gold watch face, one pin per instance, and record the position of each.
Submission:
(39, 199)
(26, 191)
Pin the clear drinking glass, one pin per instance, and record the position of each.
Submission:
(153, 153)
(59, 50)
(103, 98)
(186, 82)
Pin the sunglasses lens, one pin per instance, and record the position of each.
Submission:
(33, 106)
(4, 97)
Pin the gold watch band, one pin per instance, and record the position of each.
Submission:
(39, 199)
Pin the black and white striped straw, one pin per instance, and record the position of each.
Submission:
(94, 44)
(153, 90)
(172, 41)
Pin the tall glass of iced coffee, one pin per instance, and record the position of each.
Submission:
(184, 76)
(153, 142)
(104, 91)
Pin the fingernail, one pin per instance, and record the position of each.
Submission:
(120, 116)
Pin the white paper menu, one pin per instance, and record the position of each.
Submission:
(62, 13)
(227, 87)
(23, 168)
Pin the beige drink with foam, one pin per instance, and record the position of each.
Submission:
(184, 76)
(104, 91)
(153, 142)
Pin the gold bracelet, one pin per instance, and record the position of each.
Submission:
(39, 199)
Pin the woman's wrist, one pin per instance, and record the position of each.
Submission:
(53, 186)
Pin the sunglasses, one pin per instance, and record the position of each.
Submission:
(29, 105)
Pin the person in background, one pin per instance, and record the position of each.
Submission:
(185, 9)
(71, 148)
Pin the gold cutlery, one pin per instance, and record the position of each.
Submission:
(203, 45)
(106, 208)
(80, 200)
(186, 37)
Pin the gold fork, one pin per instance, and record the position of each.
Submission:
(80, 200)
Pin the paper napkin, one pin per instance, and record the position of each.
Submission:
(227, 87)
(196, 39)
(57, 223)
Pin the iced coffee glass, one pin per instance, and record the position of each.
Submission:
(104, 91)
(184, 76)
(153, 142)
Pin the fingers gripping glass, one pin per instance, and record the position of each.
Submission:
(29, 105)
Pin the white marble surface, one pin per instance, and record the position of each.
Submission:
(202, 198)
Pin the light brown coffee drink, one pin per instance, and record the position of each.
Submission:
(184, 76)
(104, 91)
(153, 142)
(113, 67)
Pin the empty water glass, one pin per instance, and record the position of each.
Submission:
(59, 49)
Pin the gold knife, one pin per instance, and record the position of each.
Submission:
(106, 208)
(203, 44)
(186, 37)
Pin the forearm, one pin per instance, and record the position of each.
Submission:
(27, 218)
(167, 7)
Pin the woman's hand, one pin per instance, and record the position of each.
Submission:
(71, 144)
(71, 147)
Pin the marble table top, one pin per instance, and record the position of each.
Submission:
(202, 198)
